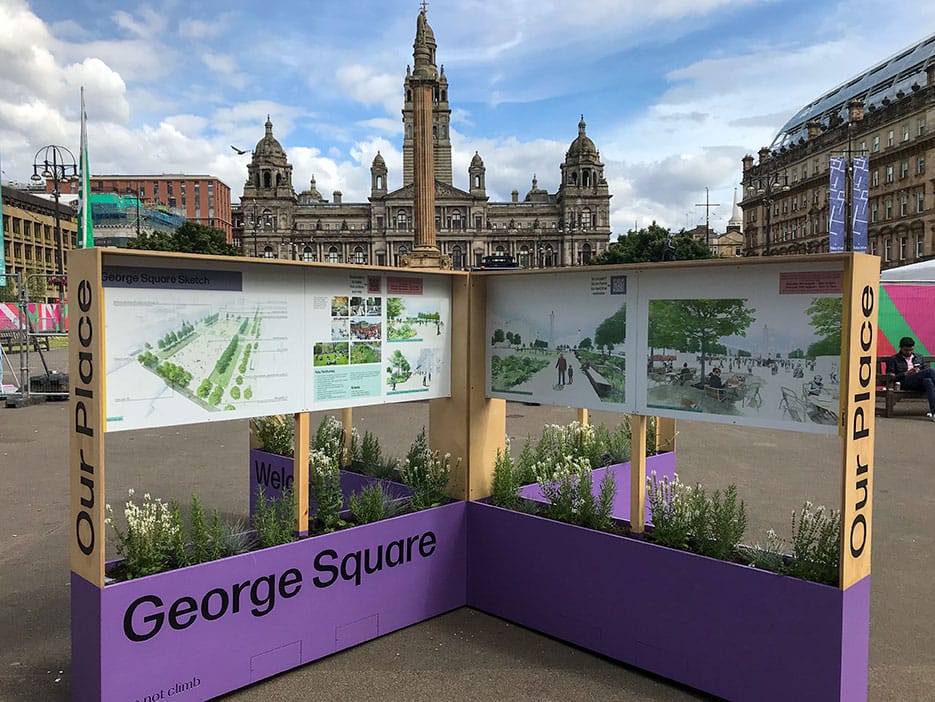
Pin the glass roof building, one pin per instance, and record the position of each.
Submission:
(875, 87)
(886, 113)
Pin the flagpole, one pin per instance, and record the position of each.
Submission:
(85, 225)
(2, 253)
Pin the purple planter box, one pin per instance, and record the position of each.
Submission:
(727, 629)
(275, 473)
(663, 464)
(202, 631)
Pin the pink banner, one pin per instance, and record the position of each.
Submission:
(42, 317)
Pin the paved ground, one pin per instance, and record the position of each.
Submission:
(464, 655)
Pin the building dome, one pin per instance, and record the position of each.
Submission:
(477, 161)
(378, 161)
(268, 145)
(582, 145)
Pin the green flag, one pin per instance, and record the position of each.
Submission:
(85, 227)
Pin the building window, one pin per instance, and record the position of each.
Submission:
(876, 143)
(333, 255)
(359, 256)
(586, 219)
(920, 201)
(904, 169)
(903, 205)
(889, 208)
(584, 256)
(889, 138)
(902, 248)
(920, 245)
(795, 204)
(887, 250)
(873, 212)
(400, 219)
(920, 166)
(920, 126)
(815, 166)
(457, 257)
(307, 254)
(905, 132)
(873, 247)
(875, 178)
(889, 175)
(268, 252)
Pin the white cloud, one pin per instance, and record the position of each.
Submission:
(147, 24)
(191, 28)
(367, 86)
(224, 66)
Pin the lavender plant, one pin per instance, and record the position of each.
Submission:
(274, 519)
(275, 433)
(326, 486)
(816, 539)
(147, 542)
(426, 473)
(372, 504)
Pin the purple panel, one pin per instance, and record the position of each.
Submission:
(663, 464)
(232, 631)
(730, 630)
(275, 472)
(85, 639)
(855, 655)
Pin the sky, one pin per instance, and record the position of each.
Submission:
(674, 92)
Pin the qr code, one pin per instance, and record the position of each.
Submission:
(618, 285)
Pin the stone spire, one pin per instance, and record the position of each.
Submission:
(736, 216)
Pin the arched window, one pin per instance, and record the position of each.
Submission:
(444, 96)
(584, 255)
(268, 252)
(401, 219)
(333, 255)
(267, 179)
(586, 178)
(499, 251)
(574, 178)
(524, 256)
(403, 250)
(269, 222)
(477, 181)
(307, 254)
(457, 257)
(379, 182)
(359, 256)
(408, 96)
(548, 258)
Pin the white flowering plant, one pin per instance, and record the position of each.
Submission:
(426, 473)
(275, 433)
(150, 541)
(329, 439)
(326, 487)
(567, 483)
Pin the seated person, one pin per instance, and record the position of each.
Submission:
(814, 387)
(714, 378)
(907, 367)
(685, 374)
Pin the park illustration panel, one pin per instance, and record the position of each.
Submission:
(768, 355)
(195, 344)
(559, 339)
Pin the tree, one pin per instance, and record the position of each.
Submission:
(585, 343)
(612, 330)
(498, 337)
(650, 244)
(698, 325)
(517, 340)
(189, 238)
(825, 318)
(399, 364)
(394, 307)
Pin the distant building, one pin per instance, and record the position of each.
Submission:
(198, 198)
(29, 239)
(542, 229)
(119, 218)
(887, 113)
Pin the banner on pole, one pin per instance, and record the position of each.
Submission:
(85, 228)
(836, 195)
(859, 202)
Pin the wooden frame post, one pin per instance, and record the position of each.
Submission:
(469, 424)
(347, 422)
(638, 426)
(665, 434)
(858, 374)
(583, 415)
(87, 418)
(300, 475)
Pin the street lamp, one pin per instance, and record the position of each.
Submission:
(766, 188)
(58, 164)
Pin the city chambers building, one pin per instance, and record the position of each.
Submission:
(541, 229)
(886, 113)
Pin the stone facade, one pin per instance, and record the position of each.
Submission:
(543, 229)
(890, 119)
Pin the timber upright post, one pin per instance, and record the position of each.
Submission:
(858, 366)
(87, 422)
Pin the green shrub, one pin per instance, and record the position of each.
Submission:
(372, 504)
(567, 485)
(329, 439)
(506, 481)
(426, 473)
(149, 542)
(274, 519)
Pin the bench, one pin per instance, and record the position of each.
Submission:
(886, 385)
(13, 337)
